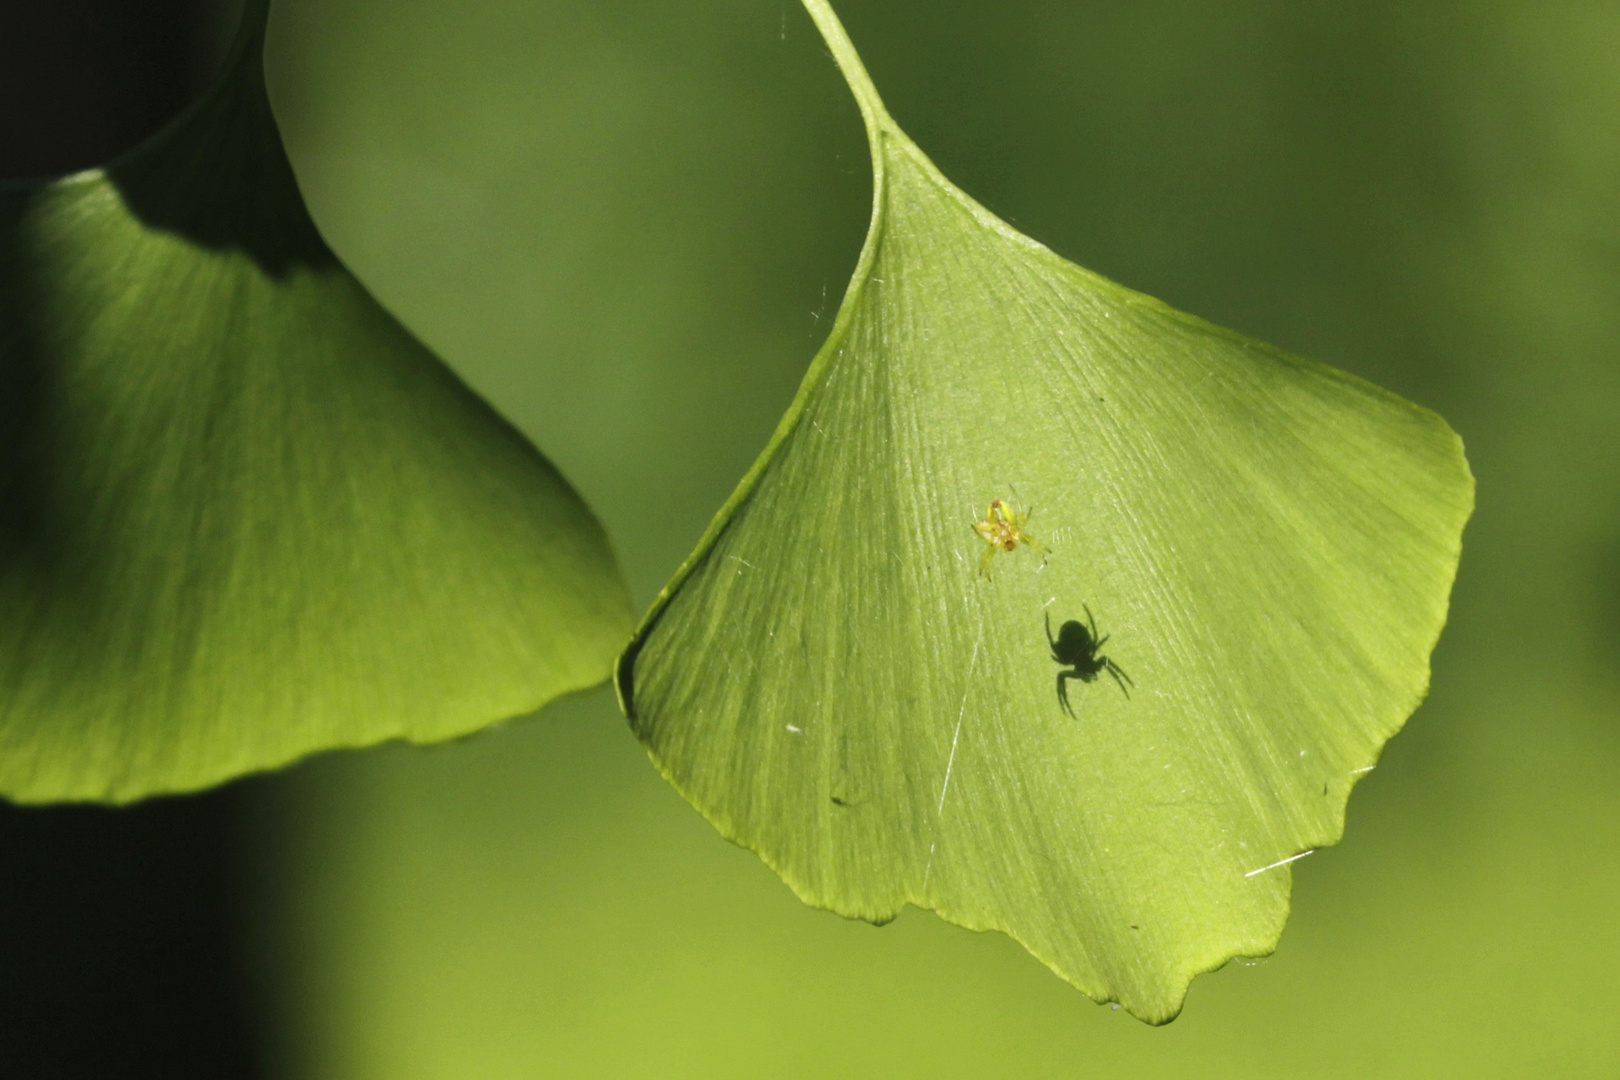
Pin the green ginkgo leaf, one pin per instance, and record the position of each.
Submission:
(842, 681)
(244, 515)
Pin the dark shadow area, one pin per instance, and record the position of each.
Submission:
(25, 481)
(222, 180)
(84, 80)
(84, 83)
(120, 942)
(120, 930)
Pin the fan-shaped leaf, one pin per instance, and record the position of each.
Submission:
(245, 515)
(1267, 544)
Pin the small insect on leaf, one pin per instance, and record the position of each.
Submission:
(1002, 528)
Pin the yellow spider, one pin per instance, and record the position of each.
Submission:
(1003, 529)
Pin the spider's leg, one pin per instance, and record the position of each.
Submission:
(1091, 619)
(1119, 675)
(1063, 691)
(984, 560)
(1050, 640)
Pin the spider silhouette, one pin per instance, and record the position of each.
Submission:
(1076, 647)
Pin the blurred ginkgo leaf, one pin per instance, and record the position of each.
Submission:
(1267, 544)
(244, 515)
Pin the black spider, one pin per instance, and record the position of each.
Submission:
(1076, 645)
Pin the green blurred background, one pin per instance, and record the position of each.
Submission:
(629, 224)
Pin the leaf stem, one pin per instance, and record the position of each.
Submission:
(849, 62)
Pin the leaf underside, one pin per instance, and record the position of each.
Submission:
(246, 515)
(1268, 544)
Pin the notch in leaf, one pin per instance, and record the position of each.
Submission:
(244, 515)
(1270, 544)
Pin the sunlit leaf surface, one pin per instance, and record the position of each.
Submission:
(1267, 544)
(246, 515)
